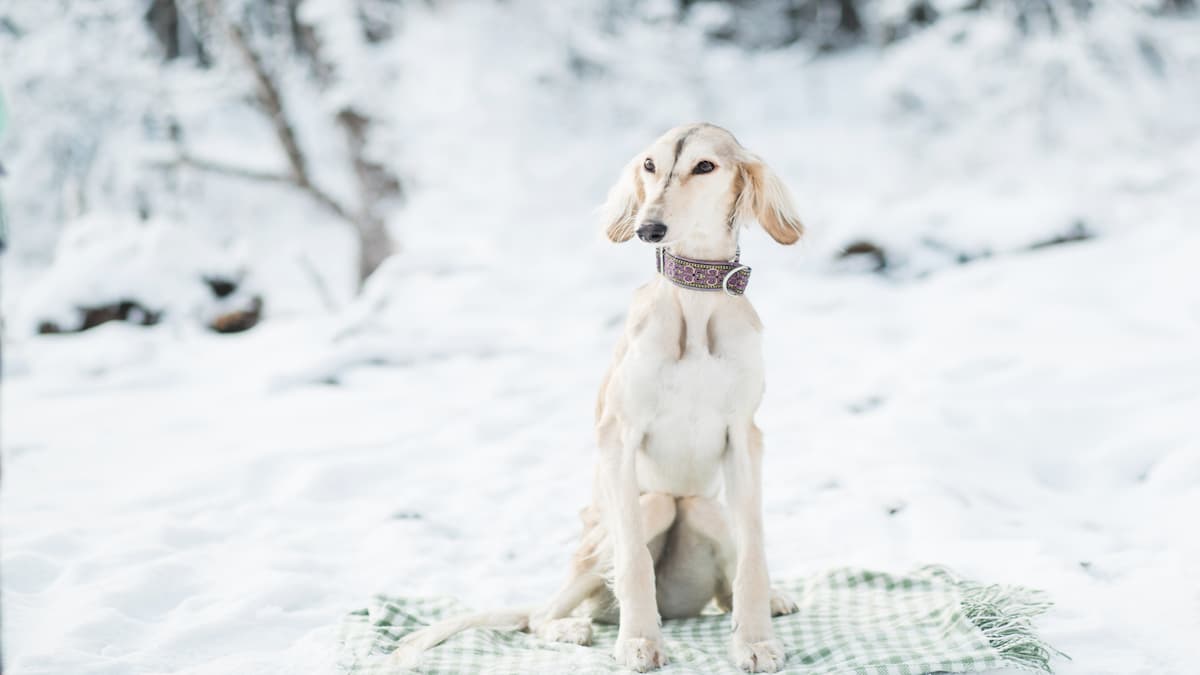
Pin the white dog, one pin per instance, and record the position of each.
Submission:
(675, 419)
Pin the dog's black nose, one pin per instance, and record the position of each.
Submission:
(652, 232)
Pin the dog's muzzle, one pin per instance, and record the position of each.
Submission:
(652, 233)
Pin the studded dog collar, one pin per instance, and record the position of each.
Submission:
(703, 275)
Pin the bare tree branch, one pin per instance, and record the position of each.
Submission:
(271, 101)
(185, 160)
(199, 163)
(318, 281)
(376, 183)
(266, 90)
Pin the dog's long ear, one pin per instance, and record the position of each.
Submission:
(763, 197)
(624, 200)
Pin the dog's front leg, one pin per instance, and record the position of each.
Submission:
(755, 648)
(639, 640)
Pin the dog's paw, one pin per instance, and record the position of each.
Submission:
(782, 603)
(765, 656)
(572, 630)
(640, 654)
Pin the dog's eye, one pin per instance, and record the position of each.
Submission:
(648, 165)
(704, 166)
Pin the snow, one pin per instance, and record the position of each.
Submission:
(195, 515)
(185, 502)
(101, 259)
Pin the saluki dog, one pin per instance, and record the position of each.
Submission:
(676, 515)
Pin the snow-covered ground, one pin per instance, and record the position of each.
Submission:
(180, 502)
(185, 503)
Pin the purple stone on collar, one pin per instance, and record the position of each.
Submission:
(729, 276)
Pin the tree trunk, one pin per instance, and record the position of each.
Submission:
(374, 246)
(376, 186)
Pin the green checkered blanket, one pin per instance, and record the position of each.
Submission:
(850, 621)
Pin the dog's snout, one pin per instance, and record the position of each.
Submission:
(652, 232)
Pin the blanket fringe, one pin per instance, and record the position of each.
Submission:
(1004, 614)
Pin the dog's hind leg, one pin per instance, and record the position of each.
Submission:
(553, 622)
(590, 567)
(708, 520)
(692, 570)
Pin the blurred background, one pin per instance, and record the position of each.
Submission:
(305, 300)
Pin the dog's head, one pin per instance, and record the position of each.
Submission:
(695, 186)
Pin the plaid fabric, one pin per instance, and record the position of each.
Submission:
(850, 621)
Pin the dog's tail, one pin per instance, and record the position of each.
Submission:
(409, 651)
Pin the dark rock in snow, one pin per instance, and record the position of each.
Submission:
(131, 311)
(124, 310)
(239, 320)
(868, 249)
(221, 287)
(1079, 232)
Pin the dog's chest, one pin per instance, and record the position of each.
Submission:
(688, 377)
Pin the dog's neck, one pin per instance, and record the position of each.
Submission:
(716, 248)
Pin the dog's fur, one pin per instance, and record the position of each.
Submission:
(675, 424)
